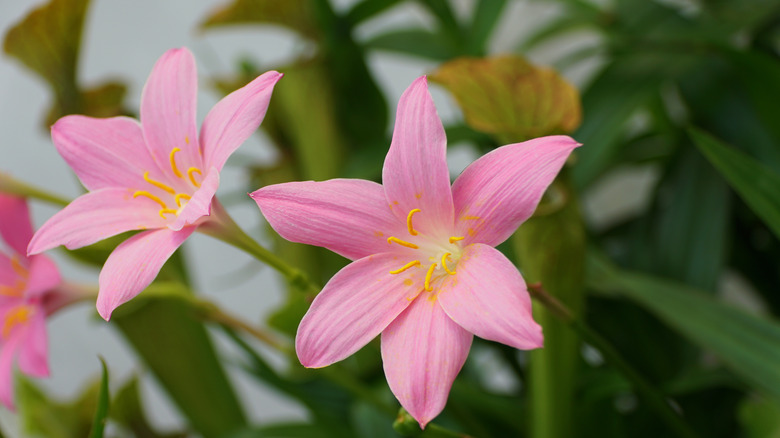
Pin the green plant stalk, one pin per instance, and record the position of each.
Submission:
(221, 226)
(645, 389)
(13, 186)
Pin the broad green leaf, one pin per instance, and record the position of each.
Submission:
(101, 413)
(126, 411)
(760, 417)
(286, 430)
(48, 41)
(367, 9)
(550, 248)
(416, 42)
(296, 15)
(46, 418)
(747, 344)
(486, 15)
(756, 185)
(509, 98)
(175, 346)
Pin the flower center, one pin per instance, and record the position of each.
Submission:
(16, 289)
(436, 257)
(16, 316)
(168, 191)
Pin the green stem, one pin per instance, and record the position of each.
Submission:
(654, 398)
(221, 226)
(211, 312)
(9, 184)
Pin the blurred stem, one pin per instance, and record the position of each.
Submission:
(221, 226)
(13, 186)
(355, 387)
(653, 397)
(211, 312)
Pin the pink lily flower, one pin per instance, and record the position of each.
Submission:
(158, 175)
(28, 288)
(425, 274)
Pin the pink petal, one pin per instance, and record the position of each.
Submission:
(134, 264)
(8, 275)
(95, 216)
(104, 152)
(200, 204)
(7, 354)
(15, 226)
(168, 110)
(347, 216)
(423, 351)
(44, 276)
(353, 308)
(499, 191)
(234, 118)
(415, 173)
(488, 297)
(33, 350)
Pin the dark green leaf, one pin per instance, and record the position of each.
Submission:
(296, 15)
(756, 185)
(415, 42)
(101, 413)
(486, 15)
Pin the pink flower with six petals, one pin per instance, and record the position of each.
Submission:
(425, 273)
(158, 175)
(28, 288)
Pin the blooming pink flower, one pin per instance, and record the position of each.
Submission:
(424, 273)
(157, 175)
(27, 286)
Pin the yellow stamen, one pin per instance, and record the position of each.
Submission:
(428, 277)
(405, 267)
(150, 196)
(173, 162)
(444, 263)
(178, 197)
(409, 221)
(401, 242)
(165, 211)
(454, 239)
(16, 265)
(192, 170)
(158, 184)
(14, 317)
(13, 291)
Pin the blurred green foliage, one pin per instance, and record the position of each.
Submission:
(685, 90)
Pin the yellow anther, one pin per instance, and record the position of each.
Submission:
(406, 266)
(428, 277)
(150, 196)
(16, 265)
(178, 197)
(409, 221)
(14, 317)
(401, 242)
(165, 211)
(158, 184)
(13, 291)
(187, 139)
(192, 170)
(444, 263)
(454, 239)
(173, 162)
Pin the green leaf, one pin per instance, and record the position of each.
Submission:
(748, 345)
(126, 410)
(368, 8)
(509, 98)
(101, 413)
(296, 15)
(175, 346)
(286, 430)
(760, 418)
(755, 184)
(43, 417)
(416, 42)
(486, 15)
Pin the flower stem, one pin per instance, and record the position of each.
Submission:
(211, 312)
(654, 398)
(13, 186)
(221, 226)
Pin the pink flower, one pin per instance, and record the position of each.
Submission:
(158, 175)
(424, 273)
(27, 287)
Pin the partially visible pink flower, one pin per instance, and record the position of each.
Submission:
(424, 273)
(27, 284)
(158, 175)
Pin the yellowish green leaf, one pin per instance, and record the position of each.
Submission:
(510, 98)
(296, 15)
